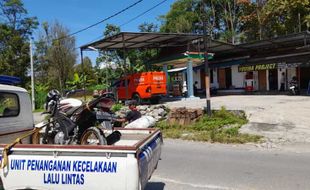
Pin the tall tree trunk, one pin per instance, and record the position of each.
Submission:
(231, 21)
(214, 18)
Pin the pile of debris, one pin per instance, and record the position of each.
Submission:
(184, 116)
(159, 112)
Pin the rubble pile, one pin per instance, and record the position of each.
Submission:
(159, 112)
(184, 116)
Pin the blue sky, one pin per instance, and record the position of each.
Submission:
(77, 14)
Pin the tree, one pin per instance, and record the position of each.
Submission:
(138, 59)
(181, 18)
(148, 27)
(238, 21)
(57, 52)
(110, 30)
(109, 65)
(287, 16)
(220, 16)
(89, 71)
(15, 31)
(264, 19)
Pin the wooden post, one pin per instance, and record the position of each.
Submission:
(207, 72)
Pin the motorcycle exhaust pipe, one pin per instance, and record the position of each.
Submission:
(113, 137)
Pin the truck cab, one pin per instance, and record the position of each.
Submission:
(15, 113)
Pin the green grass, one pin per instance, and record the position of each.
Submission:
(38, 110)
(223, 126)
(1, 108)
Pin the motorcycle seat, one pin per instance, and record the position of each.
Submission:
(70, 111)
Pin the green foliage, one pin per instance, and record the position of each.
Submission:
(55, 56)
(116, 107)
(148, 27)
(97, 87)
(15, 30)
(223, 126)
(181, 18)
(78, 82)
(111, 29)
(238, 21)
(110, 65)
(87, 69)
(41, 91)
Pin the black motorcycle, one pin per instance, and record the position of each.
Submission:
(78, 125)
(293, 87)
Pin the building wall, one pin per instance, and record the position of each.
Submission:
(291, 72)
(215, 79)
(237, 77)
(280, 71)
(196, 77)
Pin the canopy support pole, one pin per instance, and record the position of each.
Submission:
(190, 84)
(165, 68)
(125, 67)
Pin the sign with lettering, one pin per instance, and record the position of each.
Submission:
(258, 67)
(63, 171)
(288, 65)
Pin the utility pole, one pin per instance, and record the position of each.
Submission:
(207, 72)
(32, 76)
(84, 77)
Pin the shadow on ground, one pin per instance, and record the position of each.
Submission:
(154, 186)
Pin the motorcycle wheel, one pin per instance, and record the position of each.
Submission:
(93, 136)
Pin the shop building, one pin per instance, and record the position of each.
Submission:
(258, 66)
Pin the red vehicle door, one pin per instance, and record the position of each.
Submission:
(158, 82)
(122, 90)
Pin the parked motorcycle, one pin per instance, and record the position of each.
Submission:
(75, 124)
(293, 87)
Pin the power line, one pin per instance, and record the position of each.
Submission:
(105, 19)
(97, 38)
(143, 13)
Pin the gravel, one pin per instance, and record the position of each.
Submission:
(280, 119)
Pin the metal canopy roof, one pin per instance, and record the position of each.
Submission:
(281, 41)
(138, 40)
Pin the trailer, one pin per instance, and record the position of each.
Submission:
(126, 164)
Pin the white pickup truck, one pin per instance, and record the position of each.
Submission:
(127, 164)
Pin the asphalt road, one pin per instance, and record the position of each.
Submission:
(193, 165)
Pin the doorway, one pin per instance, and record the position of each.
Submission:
(273, 79)
(304, 77)
(224, 78)
(262, 80)
(228, 77)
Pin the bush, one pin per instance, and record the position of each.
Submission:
(116, 107)
(223, 126)
(97, 87)
(41, 91)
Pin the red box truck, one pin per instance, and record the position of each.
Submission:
(142, 86)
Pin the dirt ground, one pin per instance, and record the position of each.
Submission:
(281, 119)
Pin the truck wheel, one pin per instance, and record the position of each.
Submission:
(93, 136)
(137, 98)
(154, 100)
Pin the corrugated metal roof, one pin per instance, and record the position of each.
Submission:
(136, 40)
